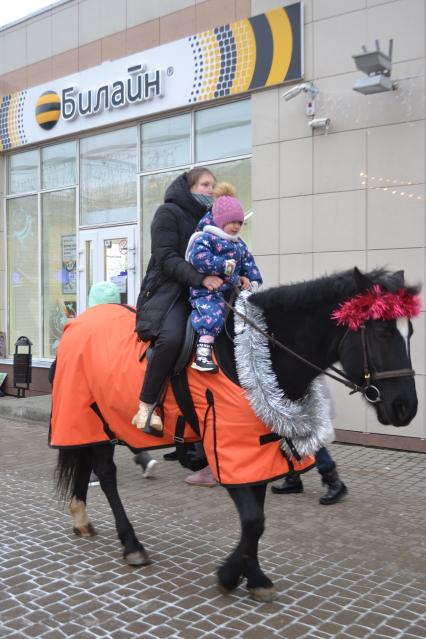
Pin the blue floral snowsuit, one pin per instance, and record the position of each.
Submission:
(207, 251)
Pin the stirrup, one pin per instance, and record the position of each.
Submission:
(148, 429)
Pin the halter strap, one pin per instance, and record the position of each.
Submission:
(343, 379)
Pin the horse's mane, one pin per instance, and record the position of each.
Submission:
(325, 290)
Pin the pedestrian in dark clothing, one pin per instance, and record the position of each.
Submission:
(326, 467)
(162, 306)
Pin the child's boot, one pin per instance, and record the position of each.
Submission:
(203, 358)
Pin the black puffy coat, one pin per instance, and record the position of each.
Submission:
(168, 275)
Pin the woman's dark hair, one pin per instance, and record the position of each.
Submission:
(193, 175)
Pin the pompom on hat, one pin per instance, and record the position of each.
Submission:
(104, 293)
(226, 208)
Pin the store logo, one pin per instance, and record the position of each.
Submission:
(140, 86)
(48, 109)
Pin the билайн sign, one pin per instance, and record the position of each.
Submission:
(236, 58)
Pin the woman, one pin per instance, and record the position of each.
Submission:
(162, 306)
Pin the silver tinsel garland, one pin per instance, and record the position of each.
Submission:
(307, 422)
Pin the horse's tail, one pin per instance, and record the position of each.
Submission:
(68, 467)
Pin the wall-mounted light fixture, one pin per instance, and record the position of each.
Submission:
(378, 67)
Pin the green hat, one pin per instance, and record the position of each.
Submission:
(104, 293)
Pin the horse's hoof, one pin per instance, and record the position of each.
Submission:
(264, 595)
(227, 590)
(137, 558)
(85, 531)
(223, 590)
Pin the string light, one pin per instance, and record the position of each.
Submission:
(364, 177)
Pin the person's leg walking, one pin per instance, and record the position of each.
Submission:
(326, 467)
(144, 459)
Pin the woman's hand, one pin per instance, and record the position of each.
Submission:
(212, 282)
(244, 283)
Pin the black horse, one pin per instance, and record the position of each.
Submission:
(375, 358)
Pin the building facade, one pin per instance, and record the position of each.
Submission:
(104, 102)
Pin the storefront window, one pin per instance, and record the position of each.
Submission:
(220, 132)
(41, 206)
(108, 165)
(23, 172)
(166, 143)
(153, 189)
(23, 271)
(58, 165)
(223, 131)
(59, 265)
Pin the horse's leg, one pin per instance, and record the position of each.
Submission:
(243, 561)
(103, 465)
(77, 506)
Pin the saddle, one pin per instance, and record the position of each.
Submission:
(224, 353)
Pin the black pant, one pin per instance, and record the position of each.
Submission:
(166, 350)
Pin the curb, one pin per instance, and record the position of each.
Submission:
(32, 410)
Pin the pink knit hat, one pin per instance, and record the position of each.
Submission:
(227, 209)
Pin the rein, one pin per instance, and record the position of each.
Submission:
(343, 379)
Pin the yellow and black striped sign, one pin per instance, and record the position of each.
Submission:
(48, 109)
(248, 54)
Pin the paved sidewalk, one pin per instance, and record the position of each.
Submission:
(352, 570)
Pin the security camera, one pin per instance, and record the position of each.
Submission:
(320, 123)
(291, 93)
(306, 87)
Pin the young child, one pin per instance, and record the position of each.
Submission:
(218, 250)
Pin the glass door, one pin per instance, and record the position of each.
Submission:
(107, 254)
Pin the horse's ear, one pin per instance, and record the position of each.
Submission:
(362, 281)
(398, 278)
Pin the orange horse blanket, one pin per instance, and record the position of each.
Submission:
(101, 361)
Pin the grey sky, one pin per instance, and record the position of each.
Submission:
(15, 9)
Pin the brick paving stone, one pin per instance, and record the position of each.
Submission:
(15, 624)
(373, 620)
(296, 630)
(164, 631)
(346, 617)
(123, 634)
(191, 633)
(388, 631)
(416, 630)
(358, 632)
(225, 633)
(54, 634)
(317, 634)
(352, 567)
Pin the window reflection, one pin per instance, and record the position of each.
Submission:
(23, 172)
(166, 142)
(58, 165)
(223, 131)
(59, 266)
(23, 272)
(108, 166)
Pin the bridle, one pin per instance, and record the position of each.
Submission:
(369, 373)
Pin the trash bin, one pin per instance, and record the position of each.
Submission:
(22, 366)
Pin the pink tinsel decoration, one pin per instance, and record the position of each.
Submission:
(377, 305)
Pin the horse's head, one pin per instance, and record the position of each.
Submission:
(375, 349)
